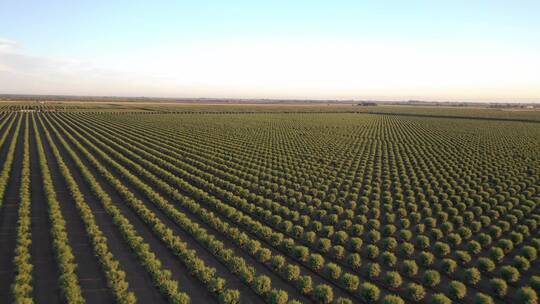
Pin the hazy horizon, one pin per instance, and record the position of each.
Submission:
(391, 50)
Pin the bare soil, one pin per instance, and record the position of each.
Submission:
(91, 277)
(8, 219)
(46, 287)
(138, 279)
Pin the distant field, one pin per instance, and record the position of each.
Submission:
(169, 203)
(434, 111)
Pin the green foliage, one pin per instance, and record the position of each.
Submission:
(441, 249)
(276, 296)
(472, 276)
(392, 299)
(409, 268)
(262, 284)
(415, 292)
(389, 259)
(323, 294)
(373, 270)
(408, 186)
(277, 262)
(354, 261)
(510, 273)
(229, 296)
(392, 279)
(332, 270)
(521, 263)
(316, 261)
(372, 251)
(498, 287)
(426, 258)
(534, 282)
(496, 254)
(529, 252)
(22, 287)
(431, 278)
(526, 295)
(304, 284)
(449, 266)
(440, 298)
(343, 301)
(369, 292)
(486, 264)
(292, 272)
(350, 281)
(457, 290)
(406, 249)
(481, 298)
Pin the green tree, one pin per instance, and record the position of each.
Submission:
(277, 297)
(323, 294)
(526, 295)
(457, 290)
(415, 291)
(369, 292)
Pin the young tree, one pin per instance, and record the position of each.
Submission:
(448, 266)
(486, 264)
(323, 294)
(535, 282)
(521, 263)
(392, 299)
(229, 296)
(332, 270)
(426, 258)
(457, 290)
(354, 261)
(472, 276)
(440, 298)
(481, 298)
(409, 268)
(292, 272)
(369, 292)
(498, 287)
(277, 297)
(350, 281)
(373, 270)
(526, 295)
(262, 284)
(510, 273)
(304, 284)
(415, 291)
(431, 278)
(344, 301)
(316, 261)
(392, 279)
(389, 259)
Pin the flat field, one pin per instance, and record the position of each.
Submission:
(146, 203)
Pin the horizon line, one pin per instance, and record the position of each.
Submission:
(320, 100)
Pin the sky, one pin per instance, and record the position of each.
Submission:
(386, 50)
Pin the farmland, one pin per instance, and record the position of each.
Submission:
(268, 204)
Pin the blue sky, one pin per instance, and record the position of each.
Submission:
(446, 50)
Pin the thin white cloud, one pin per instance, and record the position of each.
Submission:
(25, 73)
(7, 45)
(282, 69)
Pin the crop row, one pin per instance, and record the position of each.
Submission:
(441, 247)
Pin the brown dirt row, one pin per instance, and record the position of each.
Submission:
(139, 280)
(46, 288)
(8, 218)
(169, 261)
(186, 282)
(91, 278)
(277, 281)
(317, 278)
